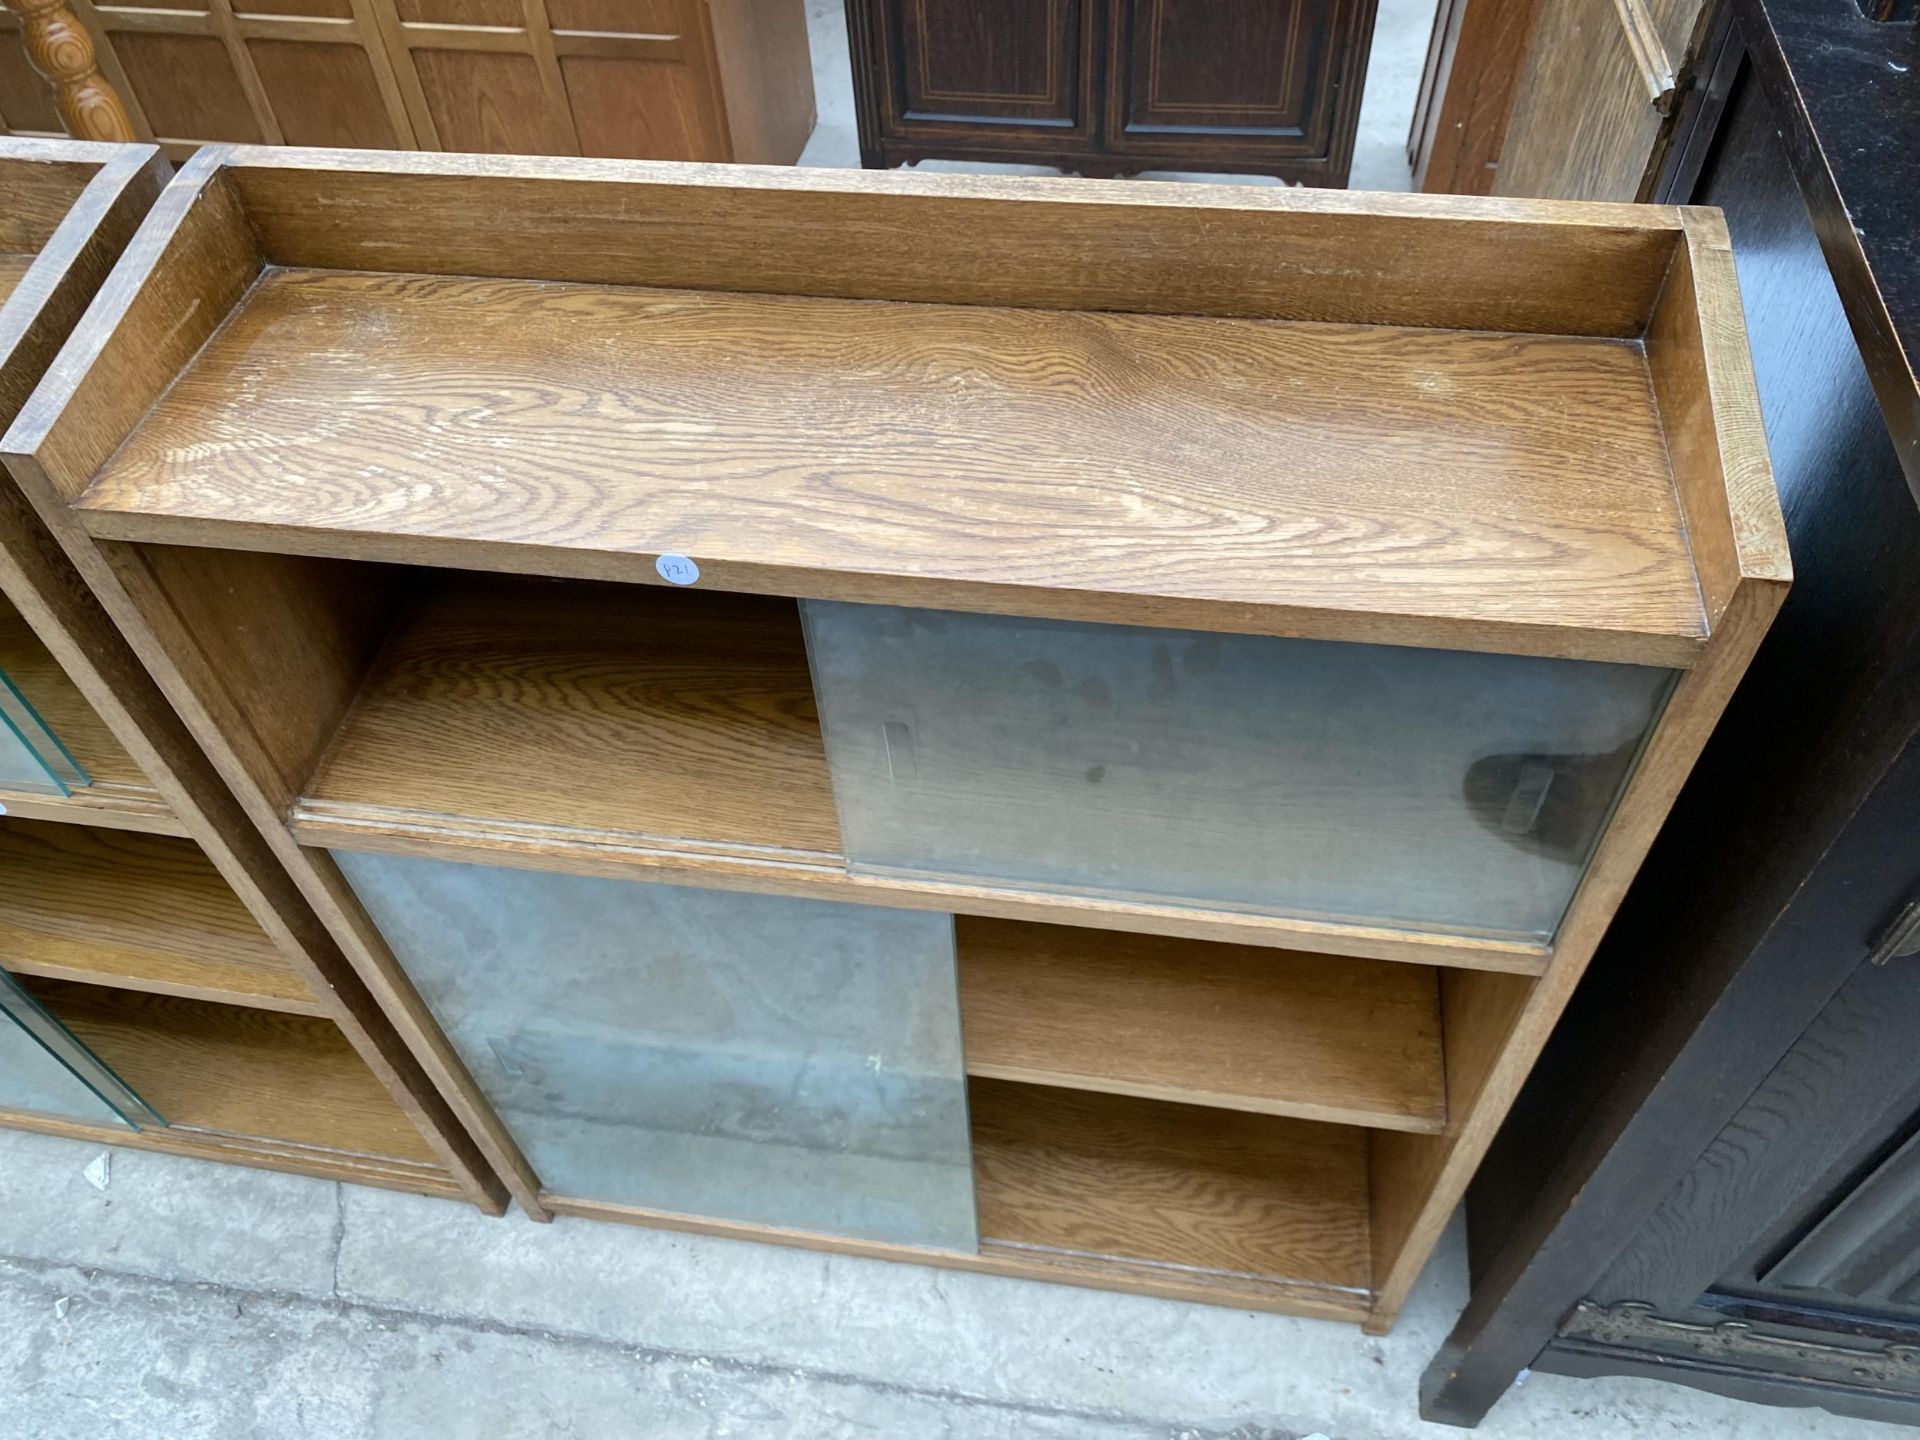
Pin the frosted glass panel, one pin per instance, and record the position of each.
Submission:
(45, 1071)
(1429, 789)
(746, 1057)
(31, 755)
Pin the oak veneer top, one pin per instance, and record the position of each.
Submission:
(1409, 485)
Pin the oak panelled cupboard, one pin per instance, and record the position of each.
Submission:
(1112, 87)
(720, 80)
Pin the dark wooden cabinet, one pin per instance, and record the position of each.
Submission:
(1713, 1174)
(1113, 86)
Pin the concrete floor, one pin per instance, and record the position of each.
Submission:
(197, 1300)
(207, 1302)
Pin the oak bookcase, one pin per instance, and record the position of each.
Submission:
(147, 935)
(1071, 729)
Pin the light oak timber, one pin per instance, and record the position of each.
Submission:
(1336, 256)
(1138, 1196)
(1211, 473)
(143, 912)
(1075, 1179)
(78, 204)
(1355, 1042)
(1648, 284)
(238, 1071)
(614, 730)
(592, 708)
(386, 1174)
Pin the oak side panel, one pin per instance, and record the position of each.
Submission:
(1421, 1179)
(1584, 126)
(1710, 410)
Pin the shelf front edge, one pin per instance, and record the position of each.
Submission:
(807, 875)
(1678, 648)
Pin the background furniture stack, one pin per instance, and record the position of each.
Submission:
(1739, 1209)
(467, 535)
(652, 79)
(1111, 87)
(157, 967)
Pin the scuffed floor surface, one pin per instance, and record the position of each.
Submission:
(207, 1302)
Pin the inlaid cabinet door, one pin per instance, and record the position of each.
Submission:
(998, 69)
(559, 77)
(294, 72)
(1258, 77)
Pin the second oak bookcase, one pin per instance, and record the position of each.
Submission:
(1077, 730)
(163, 985)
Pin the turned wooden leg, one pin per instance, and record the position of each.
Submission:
(62, 50)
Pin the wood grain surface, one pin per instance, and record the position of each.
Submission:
(241, 1072)
(146, 912)
(1378, 483)
(1351, 1041)
(41, 179)
(55, 575)
(1150, 1184)
(687, 720)
(614, 730)
(12, 269)
(1270, 1293)
(968, 239)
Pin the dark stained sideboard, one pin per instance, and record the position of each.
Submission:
(1713, 1176)
(1113, 87)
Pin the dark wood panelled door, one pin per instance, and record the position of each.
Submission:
(1253, 75)
(979, 65)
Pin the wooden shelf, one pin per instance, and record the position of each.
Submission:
(1249, 1209)
(591, 711)
(120, 794)
(1229, 474)
(627, 730)
(144, 912)
(236, 1075)
(1322, 1038)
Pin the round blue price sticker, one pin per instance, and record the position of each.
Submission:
(676, 569)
